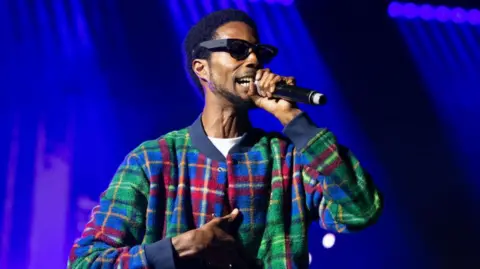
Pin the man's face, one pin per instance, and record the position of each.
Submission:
(226, 72)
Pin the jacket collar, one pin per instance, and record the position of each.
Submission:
(201, 142)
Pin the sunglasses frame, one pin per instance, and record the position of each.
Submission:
(225, 44)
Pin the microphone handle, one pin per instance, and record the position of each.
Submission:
(298, 94)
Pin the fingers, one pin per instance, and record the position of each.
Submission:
(222, 250)
(232, 216)
(260, 79)
(252, 89)
(260, 72)
(225, 223)
(222, 237)
(227, 218)
(289, 80)
(266, 81)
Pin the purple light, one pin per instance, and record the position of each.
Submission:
(474, 17)
(442, 13)
(271, 2)
(428, 12)
(459, 15)
(410, 11)
(395, 9)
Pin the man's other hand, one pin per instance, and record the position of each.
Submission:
(212, 243)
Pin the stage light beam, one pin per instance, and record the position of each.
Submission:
(442, 14)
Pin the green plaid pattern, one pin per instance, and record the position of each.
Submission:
(166, 187)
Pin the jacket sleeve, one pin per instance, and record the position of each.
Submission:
(339, 192)
(112, 238)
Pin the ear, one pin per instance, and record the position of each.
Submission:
(200, 67)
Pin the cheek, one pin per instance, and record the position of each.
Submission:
(220, 78)
(224, 69)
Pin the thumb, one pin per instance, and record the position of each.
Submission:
(232, 216)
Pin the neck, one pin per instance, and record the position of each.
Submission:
(222, 121)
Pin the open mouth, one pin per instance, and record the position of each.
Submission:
(245, 82)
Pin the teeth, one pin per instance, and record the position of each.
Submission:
(245, 81)
(245, 84)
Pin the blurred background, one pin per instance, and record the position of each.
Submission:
(83, 82)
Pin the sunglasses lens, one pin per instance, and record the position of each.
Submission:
(239, 50)
(265, 54)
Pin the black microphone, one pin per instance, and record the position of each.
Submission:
(298, 94)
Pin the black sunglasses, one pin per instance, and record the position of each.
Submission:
(240, 49)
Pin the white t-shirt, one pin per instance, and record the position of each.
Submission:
(225, 144)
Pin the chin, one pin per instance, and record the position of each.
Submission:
(244, 98)
(238, 100)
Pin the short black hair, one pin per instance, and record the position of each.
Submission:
(205, 30)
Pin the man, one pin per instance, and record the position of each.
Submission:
(220, 193)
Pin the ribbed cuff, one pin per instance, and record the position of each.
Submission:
(161, 255)
(301, 130)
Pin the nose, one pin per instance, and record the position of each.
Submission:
(252, 60)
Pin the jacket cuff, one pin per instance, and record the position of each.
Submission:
(161, 255)
(301, 130)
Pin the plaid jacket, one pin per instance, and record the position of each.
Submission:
(280, 184)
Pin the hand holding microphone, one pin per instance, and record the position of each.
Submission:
(274, 86)
(279, 95)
